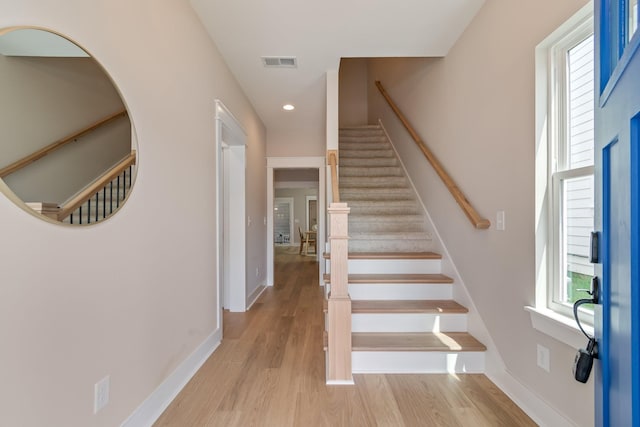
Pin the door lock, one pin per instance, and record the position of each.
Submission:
(583, 362)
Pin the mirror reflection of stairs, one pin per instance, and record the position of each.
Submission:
(103, 203)
(404, 317)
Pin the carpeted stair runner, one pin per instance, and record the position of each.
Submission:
(385, 213)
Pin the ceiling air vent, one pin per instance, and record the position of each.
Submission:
(280, 61)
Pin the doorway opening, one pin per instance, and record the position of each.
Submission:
(231, 143)
(302, 182)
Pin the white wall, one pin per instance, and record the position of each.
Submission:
(475, 109)
(296, 143)
(63, 324)
(46, 99)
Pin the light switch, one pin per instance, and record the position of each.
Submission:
(500, 221)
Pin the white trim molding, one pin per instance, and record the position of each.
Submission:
(296, 162)
(255, 295)
(558, 326)
(150, 410)
(231, 141)
(530, 402)
(319, 163)
(549, 317)
(296, 184)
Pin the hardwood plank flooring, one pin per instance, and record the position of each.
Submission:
(269, 371)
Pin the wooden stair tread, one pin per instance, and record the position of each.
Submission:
(407, 306)
(390, 255)
(415, 341)
(395, 278)
(402, 306)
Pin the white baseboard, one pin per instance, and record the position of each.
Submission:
(535, 407)
(150, 410)
(255, 295)
(340, 382)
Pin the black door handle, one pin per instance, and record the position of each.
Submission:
(594, 291)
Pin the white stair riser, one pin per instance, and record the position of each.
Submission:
(408, 322)
(395, 266)
(396, 291)
(417, 362)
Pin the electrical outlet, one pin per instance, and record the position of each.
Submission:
(248, 221)
(543, 357)
(100, 394)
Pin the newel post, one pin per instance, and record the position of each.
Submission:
(339, 304)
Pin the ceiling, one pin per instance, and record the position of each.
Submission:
(318, 34)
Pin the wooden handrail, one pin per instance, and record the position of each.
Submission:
(98, 184)
(19, 164)
(470, 212)
(332, 159)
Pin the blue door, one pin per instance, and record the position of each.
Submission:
(617, 373)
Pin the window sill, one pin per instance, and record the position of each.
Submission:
(559, 327)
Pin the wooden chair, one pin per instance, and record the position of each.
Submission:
(305, 241)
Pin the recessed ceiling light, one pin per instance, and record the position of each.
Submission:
(288, 107)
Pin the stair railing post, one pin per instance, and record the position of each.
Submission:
(339, 304)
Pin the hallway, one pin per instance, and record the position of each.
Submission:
(269, 371)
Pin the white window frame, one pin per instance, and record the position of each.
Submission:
(547, 315)
(558, 161)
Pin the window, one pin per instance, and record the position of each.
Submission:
(564, 178)
(571, 167)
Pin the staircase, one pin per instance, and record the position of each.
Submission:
(385, 214)
(404, 318)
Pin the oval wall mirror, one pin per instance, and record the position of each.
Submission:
(66, 150)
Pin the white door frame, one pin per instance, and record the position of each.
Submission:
(231, 141)
(319, 163)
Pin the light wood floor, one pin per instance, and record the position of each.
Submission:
(269, 371)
